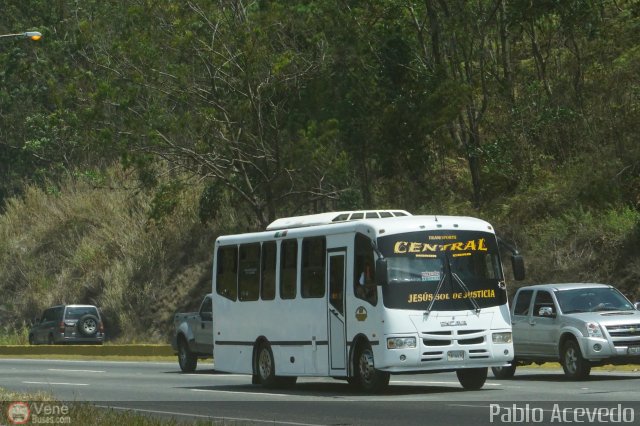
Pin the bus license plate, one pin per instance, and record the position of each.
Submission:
(455, 356)
(634, 350)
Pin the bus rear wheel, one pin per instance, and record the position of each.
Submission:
(265, 370)
(472, 378)
(367, 378)
(265, 366)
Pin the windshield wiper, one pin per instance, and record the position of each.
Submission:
(435, 296)
(464, 287)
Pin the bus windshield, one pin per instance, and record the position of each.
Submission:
(456, 270)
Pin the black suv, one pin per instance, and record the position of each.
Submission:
(68, 324)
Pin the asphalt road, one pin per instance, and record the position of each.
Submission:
(434, 399)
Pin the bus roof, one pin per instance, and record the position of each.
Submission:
(373, 227)
(332, 217)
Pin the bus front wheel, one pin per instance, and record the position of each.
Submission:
(367, 377)
(472, 378)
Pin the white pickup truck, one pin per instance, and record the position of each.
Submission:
(580, 325)
(193, 337)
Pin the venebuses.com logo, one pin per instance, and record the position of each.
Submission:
(21, 413)
(18, 413)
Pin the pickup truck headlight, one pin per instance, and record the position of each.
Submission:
(594, 330)
(504, 337)
(401, 342)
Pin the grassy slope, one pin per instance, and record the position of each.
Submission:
(95, 244)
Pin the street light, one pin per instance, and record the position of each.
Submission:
(32, 35)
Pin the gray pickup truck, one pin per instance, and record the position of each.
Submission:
(579, 325)
(193, 337)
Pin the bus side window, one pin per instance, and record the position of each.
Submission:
(268, 262)
(313, 259)
(364, 279)
(249, 272)
(227, 273)
(288, 268)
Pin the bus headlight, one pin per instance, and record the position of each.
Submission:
(504, 337)
(401, 342)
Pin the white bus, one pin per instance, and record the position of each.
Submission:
(360, 296)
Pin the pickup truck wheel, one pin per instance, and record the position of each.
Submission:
(574, 365)
(368, 378)
(187, 359)
(472, 378)
(504, 372)
(266, 367)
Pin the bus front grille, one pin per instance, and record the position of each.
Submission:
(429, 342)
(431, 356)
(463, 332)
(478, 353)
(474, 341)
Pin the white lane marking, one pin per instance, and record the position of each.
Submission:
(239, 392)
(89, 361)
(468, 405)
(57, 383)
(204, 416)
(214, 375)
(76, 371)
(419, 382)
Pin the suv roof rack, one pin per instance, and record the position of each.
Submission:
(332, 217)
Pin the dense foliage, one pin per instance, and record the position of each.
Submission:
(234, 112)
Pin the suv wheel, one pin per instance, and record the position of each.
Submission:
(574, 365)
(88, 325)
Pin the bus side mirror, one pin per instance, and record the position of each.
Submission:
(517, 264)
(381, 272)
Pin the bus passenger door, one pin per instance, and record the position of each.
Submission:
(337, 339)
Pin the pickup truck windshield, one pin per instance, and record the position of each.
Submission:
(592, 300)
(465, 264)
